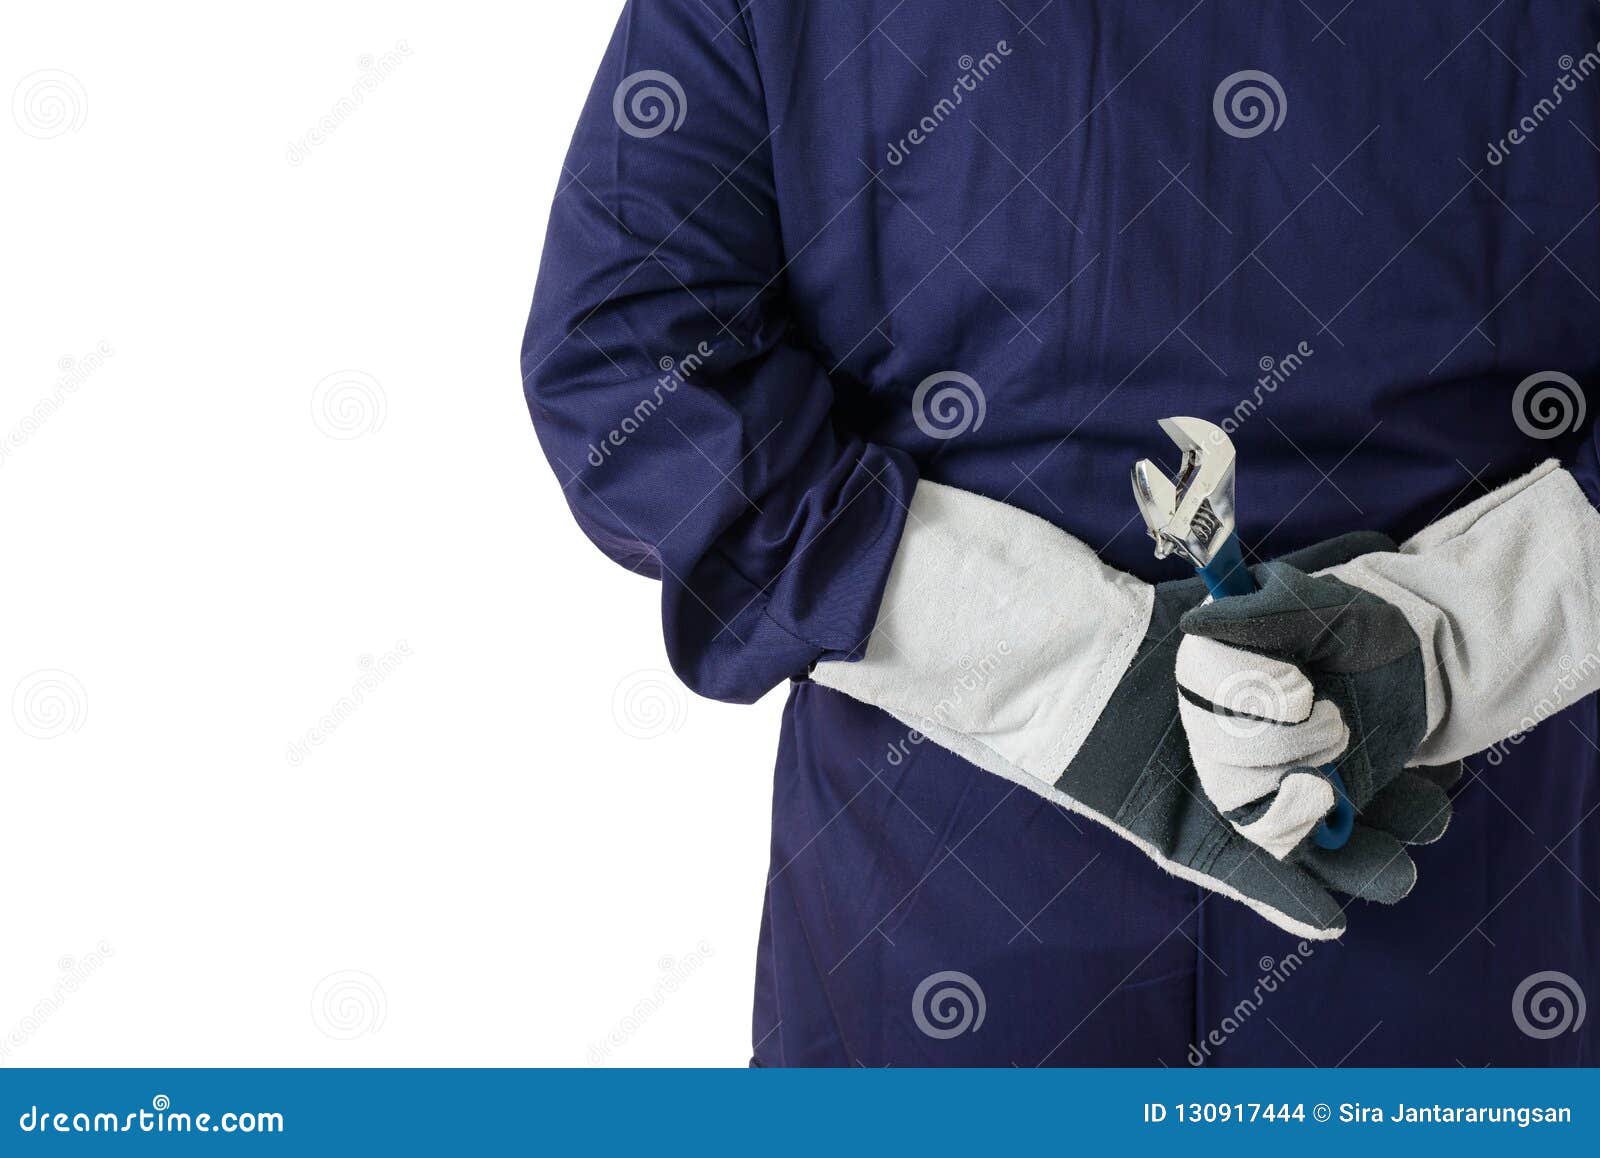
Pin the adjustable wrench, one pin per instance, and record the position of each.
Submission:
(1192, 515)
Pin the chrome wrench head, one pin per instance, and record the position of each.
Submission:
(1191, 514)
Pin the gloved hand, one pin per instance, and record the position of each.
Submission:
(1476, 629)
(1303, 672)
(1005, 640)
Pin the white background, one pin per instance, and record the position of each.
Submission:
(261, 427)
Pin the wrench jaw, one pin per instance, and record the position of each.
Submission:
(1193, 514)
(1157, 499)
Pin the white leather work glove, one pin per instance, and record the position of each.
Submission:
(1005, 640)
(1471, 632)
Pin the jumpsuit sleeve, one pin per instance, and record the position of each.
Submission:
(689, 421)
(1584, 462)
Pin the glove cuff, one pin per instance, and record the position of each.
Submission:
(1502, 597)
(998, 627)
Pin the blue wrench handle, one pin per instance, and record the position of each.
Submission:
(1227, 575)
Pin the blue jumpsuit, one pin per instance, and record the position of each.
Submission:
(779, 217)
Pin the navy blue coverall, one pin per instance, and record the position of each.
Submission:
(779, 217)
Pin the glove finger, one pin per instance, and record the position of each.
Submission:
(1446, 776)
(1281, 891)
(1412, 808)
(1341, 549)
(1243, 742)
(1372, 865)
(1312, 620)
(1242, 681)
(1302, 800)
(1230, 787)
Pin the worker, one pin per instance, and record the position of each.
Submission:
(852, 318)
